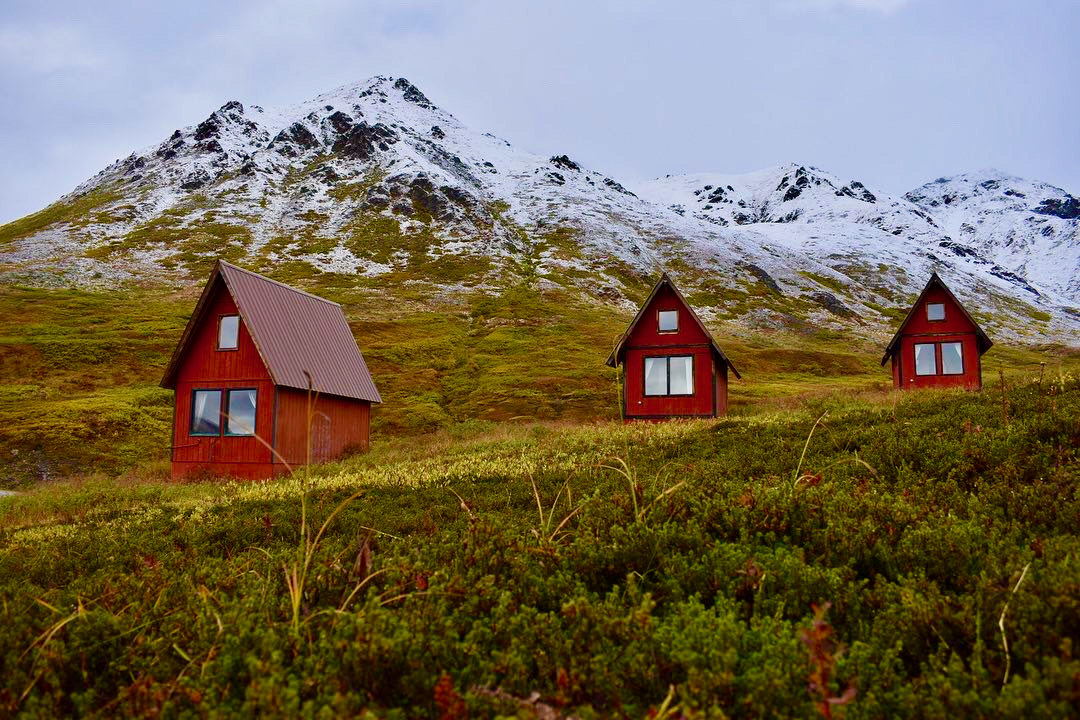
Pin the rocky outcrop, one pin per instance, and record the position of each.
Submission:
(294, 140)
(1067, 208)
(562, 161)
(412, 94)
(362, 140)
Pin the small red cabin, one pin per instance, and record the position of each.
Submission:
(242, 372)
(938, 344)
(671, 366)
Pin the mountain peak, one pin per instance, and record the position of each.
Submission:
(373, 182)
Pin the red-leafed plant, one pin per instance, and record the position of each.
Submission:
(451, 704)
(823, 652)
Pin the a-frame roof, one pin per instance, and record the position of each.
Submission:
(982, 339)
(616, 355)
(293, 331)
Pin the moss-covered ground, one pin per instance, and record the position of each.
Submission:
(79, 370)
(854, 555)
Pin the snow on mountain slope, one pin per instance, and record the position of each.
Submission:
(805, 209)
(376, 183)
(1030, 228)
(317, 181)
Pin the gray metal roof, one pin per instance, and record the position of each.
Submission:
(294, 332)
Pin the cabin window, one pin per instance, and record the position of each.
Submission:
(952, 358)
(668, 320)
(206, 412)
(926, 359)
(240, 416)
(228, 332)
(935, 311)
(669, 375)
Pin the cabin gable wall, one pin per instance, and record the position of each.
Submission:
(954, 328)
(203, 366)
(647, 340)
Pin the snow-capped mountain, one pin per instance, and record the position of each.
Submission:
(374, 182)
(1030, 228)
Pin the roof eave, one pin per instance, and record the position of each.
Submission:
(168, 380)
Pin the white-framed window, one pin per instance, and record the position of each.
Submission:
(207, 418)
(926, 359)
(228, 332)
(667, 321)
(935, 311)
(670, 375)
(952, 358)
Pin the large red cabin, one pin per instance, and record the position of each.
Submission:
(671, 366)
(938, 344)
(252, 354)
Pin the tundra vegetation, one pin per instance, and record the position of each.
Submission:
(508, 548)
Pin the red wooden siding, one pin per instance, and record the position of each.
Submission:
(286, 339)
(644, 339)
(638, 403)
(204, 366)
(971, 377)
(721, 388)
(957, 326)
(339, 423)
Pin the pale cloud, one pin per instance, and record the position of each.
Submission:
(885, 7)
(44, 49)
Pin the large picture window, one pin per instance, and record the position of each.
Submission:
(673, 375)
(950, 353)
(239, 416)
(228, 332)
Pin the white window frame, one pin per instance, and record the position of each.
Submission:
(221, 345)
(660, 322)
(929, 315)
(941, 354)
(933, 354)
(666, 359)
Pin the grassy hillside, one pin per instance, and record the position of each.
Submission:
(912, 555)
(79, 370)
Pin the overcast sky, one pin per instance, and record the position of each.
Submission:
(890, 92)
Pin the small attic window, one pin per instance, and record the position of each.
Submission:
(668, 320)
(228, 332)
(935, 311)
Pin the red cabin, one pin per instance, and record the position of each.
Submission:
(671, 366)
(938, 344)
(242, 372)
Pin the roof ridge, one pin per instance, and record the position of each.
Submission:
(277, 282)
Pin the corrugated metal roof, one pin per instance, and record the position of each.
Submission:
(294, 332)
